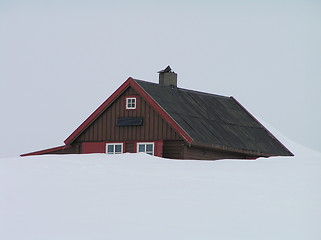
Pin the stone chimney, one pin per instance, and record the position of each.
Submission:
(167, 77)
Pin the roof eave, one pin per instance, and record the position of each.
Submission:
(289, 153)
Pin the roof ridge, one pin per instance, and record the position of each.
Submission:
(182, 89)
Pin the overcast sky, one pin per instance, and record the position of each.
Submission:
(59, 60)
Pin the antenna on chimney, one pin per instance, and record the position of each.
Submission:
(167, 69)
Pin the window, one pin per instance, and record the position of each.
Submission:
(146, 148)
(130, 103)
(114, 148)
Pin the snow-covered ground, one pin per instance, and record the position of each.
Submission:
(137, 196)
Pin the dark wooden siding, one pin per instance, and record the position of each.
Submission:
(74, 149)
(207, 154)
(173, 149)
(130, 147)
(153, 128)
(180, 150)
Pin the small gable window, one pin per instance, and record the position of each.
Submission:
(131, 102)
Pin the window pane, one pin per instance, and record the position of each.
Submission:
(130, 103)
(149, 147)
(118, 148)
(110, 149)
(141, 148)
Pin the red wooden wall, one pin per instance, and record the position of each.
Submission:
(104, 127)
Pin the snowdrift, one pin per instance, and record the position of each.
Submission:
(137, 196)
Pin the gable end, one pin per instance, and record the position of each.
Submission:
(103, 107)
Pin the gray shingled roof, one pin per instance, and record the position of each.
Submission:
(214, 120)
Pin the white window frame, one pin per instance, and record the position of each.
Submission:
(146, 143)
(114, 144)
(129, 104)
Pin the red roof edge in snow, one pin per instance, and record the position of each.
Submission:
(49, 150)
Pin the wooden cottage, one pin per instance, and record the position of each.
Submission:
(171, 122)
